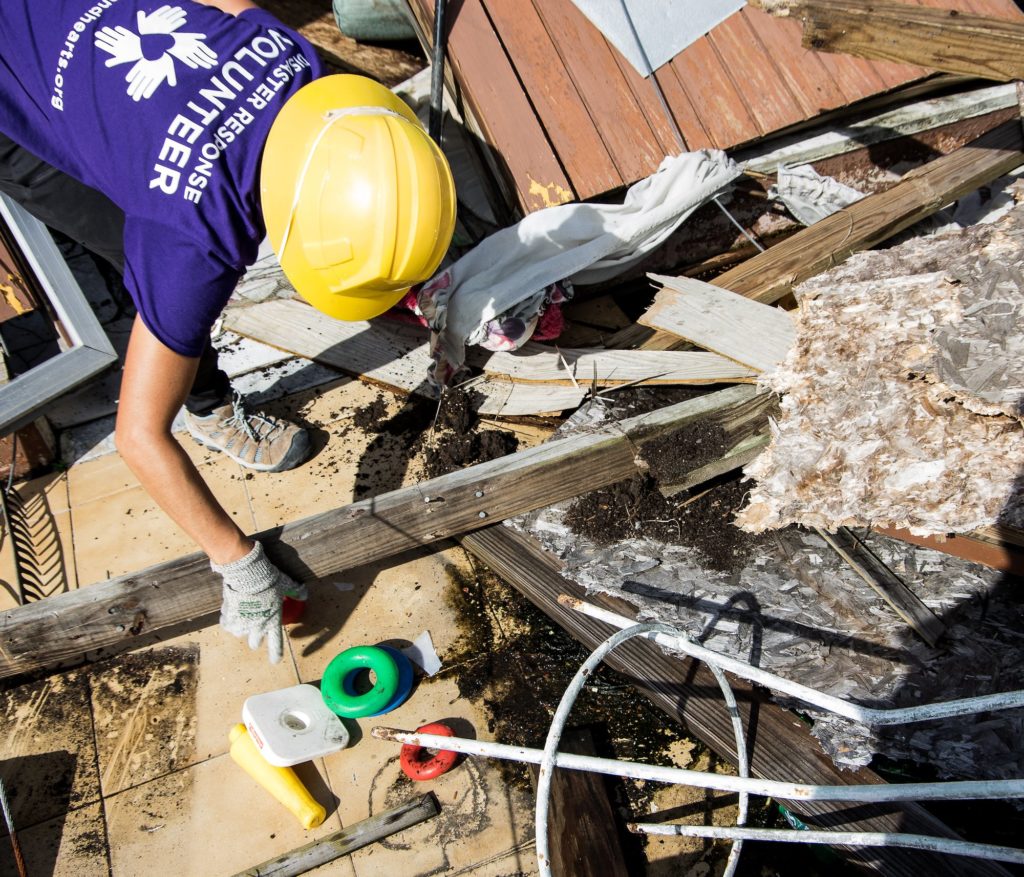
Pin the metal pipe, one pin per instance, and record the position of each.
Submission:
(437, 74)
(558, 725)
(867, 715)
(947, 845)
(968, 790)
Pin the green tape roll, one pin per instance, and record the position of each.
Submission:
(351, 661)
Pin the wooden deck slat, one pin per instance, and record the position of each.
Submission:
(568, 124)
(647, 100)
(714, 96)
(690, 123)
(767, 98)
(501, 108)
(570, 118)
(591, 64)
(811, 83)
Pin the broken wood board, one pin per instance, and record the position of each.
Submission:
(940, 39)
(771, 275)
(886, 583)
(582, 832)
(394, 355)
(733, 437)
(842, 136)
(111, 614)
(609, 368)
(869, 433)
(1006, 552)
(746, 331)
(781, 746)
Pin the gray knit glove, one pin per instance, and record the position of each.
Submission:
(253, 591)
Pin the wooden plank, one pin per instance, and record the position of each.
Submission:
(781, 746)
(902, 121)
(767, 97)
(752, 334)
(609, 368)
(591, 63)
(695, 132)
(394, 355)
(714, 95)
(938, 39)
(811, 84)
(771, 275)
(569, 126)
(885, 583)
(584, 842)
(744, 452)
(1004, 552)
(491, 88)
(348, 840)
(58, 629)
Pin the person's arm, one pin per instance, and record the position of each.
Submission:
(154, 385)
(232, 7)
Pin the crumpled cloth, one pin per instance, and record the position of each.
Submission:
(497, 289)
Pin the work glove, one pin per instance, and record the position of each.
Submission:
(253, 591)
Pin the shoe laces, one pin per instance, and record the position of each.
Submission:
(259, 427)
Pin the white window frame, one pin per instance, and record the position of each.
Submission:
(88, 351)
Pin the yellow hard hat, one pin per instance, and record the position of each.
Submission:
(358, 200)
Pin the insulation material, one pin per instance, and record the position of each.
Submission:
(903, 397)
(793, 607)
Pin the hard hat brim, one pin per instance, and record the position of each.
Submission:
(355, 308)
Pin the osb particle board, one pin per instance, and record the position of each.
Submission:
(902, 398)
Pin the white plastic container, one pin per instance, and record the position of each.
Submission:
(292, 725)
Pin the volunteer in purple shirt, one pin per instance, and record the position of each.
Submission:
(170, 138)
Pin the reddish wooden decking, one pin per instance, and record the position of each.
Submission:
(569, 118)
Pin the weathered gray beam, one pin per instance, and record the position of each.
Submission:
(111, 614)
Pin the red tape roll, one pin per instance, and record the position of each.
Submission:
(414, 761)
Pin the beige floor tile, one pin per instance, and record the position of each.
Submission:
(392, 600)
(45, 554)
(164, 708)
(47, 748)
(45, 541)
(209, 820)
(127, 531)
(97, 478)
(343, 457)
(70, 845)
(483, 817)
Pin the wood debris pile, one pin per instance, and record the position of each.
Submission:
(903, 397)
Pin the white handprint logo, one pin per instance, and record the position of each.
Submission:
(153, 49)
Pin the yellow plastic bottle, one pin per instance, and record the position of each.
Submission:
(281, 782)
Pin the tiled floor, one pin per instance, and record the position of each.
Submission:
(121, 767)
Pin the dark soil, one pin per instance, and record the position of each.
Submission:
(672, 457)
(635, 508)
(458, 441)
(513, 658)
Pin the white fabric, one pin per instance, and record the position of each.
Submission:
(586, 243)
(809, 196)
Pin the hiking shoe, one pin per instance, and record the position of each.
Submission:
(256, 441)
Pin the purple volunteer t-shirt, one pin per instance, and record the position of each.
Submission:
(165, 108)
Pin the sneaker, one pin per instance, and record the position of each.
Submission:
(255, 441)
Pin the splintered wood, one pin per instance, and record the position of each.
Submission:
(903, 397)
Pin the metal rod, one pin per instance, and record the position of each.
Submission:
(19, 862)
(866, 715)
(437, 73)
(947, 845)
(966, 790)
